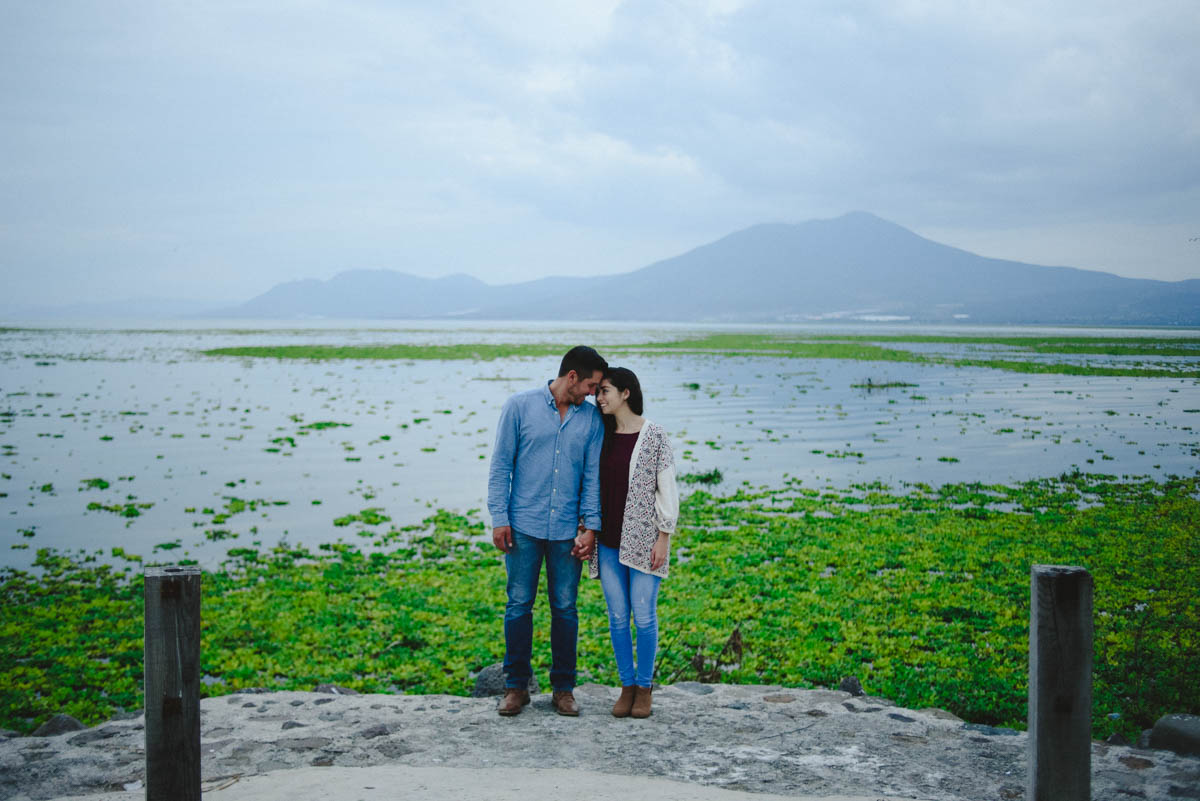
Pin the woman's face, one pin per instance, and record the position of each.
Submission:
(609, 399)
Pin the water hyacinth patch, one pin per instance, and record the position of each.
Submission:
(920, 591)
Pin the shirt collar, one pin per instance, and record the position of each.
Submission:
(551, 402)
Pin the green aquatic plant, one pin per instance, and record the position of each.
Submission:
(922, 592)
(368, 517)
(883, 348)
(712, 477)
(129, 509)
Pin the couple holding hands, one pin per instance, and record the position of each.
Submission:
(572, 482)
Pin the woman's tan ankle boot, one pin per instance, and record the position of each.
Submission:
(641, 702)
(624, 703)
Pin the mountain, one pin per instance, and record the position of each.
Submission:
(857, 266)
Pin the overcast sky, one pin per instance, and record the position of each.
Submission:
(212, 150)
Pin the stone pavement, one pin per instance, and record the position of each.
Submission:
(701, 742)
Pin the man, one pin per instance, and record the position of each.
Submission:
(544, 477)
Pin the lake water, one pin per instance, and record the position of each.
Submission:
(174, 432)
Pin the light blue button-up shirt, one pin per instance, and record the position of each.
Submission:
(545, 471)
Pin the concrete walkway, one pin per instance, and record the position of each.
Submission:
(463, 784)
(706, 742)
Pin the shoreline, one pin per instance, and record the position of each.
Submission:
(750, 738)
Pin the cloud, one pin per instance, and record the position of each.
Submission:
(273, 140)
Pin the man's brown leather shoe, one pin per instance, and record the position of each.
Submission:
(624, 703)
(513, 701)
(564, 703)
(641, 703)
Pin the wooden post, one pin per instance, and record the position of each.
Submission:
(1060, 684)
(172, 683)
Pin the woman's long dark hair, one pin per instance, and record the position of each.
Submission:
(622, 378)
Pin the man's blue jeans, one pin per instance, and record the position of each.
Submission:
(524, 564)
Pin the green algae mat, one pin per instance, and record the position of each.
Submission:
(1142, 357)
(922, 592)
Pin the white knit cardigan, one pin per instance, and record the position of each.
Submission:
(652, 504)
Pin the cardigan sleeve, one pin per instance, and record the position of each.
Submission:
(666, 492)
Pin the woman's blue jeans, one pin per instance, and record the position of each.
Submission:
(627, 590)
(524, 564)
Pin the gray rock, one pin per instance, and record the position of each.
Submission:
(851, 685)
(334, 689)
(306, 743)
(1116, 738)
(941, 714)
(380, 730)
(1179, 733)
(901, 718)
(394, 749)
(990, 731)
(1144, 739)
(94, 735)
(693, 687)
(490, 681)
(59, 724)
(292, 724)
(8, 734)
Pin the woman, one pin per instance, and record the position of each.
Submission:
(639, 505)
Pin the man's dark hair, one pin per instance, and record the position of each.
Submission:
(583, 360)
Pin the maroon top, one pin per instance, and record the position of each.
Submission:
(614, 486)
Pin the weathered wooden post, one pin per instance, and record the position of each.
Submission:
(1060, 684)
(172, 683)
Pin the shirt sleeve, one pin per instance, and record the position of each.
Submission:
(666, 492)
(500, 469)
(589, 496)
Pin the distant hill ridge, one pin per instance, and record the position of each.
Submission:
(854, 267)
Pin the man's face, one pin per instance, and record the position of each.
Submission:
(579, 388)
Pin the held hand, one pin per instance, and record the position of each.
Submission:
(658, 556)
(585, 544)
(502, 538)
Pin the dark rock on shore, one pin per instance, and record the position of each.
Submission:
(59, 724)
(490, 681)
(334, 689)
(851, 685)
(1178, 733)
